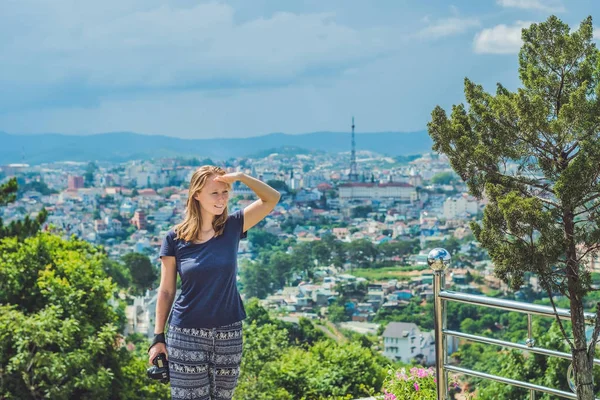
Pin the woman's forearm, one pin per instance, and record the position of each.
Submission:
(164, 301)
(265, 192)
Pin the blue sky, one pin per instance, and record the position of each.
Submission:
(250, 67)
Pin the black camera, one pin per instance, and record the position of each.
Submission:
(160, 369)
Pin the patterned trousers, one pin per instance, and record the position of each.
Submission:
(204, 364)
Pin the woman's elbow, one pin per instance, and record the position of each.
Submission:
(167, 293)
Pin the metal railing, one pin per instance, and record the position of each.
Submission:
(439, 260)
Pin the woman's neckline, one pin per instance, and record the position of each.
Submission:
(206, 241)
(209, 239)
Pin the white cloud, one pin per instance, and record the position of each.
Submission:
(501, 39)
(148, 44)
(448, 27)
(542, 5)
(369, 92)
(597, 32)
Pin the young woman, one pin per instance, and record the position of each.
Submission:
(204, 339)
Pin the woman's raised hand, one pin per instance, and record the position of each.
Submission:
(228, 178)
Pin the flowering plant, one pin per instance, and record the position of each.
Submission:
(417, 384)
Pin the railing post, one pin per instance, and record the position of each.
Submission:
(530, 342)
(439, 259)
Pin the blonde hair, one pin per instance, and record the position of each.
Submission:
(189, 229)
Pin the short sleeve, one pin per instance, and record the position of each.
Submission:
(237, 219)
(168, 245)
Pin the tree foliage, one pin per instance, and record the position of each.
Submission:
(143, 273)
(255, 278)
(443, 178)
(278, 185)
(117, 272)
(277, 262)
(393, 249)
(58, 331)
(88, 176)
(289, 361)
(261, 239)
(23, 228)
(35, 185)
(535, 153)
(19, 228)
(361, 211)
(362, 252)
(8, 192)
(530, 367)
(326, 371)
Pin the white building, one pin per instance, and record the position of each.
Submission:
(401, 341)
(404, 342)
(377, 191)
(145, 175)
(304, 196)
(459, 206)
(164, 214)
(268, 175)
(127, 208)
(238, 189)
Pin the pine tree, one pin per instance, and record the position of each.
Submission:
(535, 154)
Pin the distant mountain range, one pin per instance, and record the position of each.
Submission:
(123, 146)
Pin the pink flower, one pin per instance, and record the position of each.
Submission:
(390, 396)
(402, 375)
(416, 385)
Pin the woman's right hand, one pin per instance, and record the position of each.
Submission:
(156, 350)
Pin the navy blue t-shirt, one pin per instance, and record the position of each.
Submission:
(209, 296)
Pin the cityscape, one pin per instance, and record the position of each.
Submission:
(232, 200)
(387, 213)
